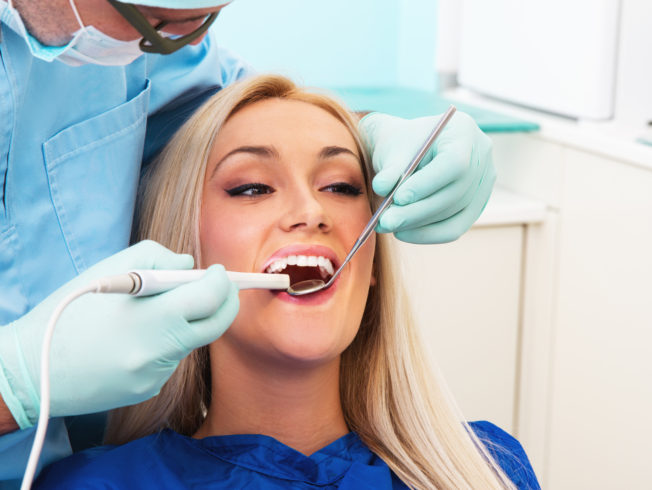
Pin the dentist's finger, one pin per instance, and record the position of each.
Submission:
(448, 167)
(211, 328)
(452, 228)
(201, 298)
(437, 207)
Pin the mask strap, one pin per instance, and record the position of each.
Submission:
(74, 10)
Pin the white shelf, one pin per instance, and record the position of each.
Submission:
(506, 208)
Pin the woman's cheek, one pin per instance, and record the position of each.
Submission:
(228, 239)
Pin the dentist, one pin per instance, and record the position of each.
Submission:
(85, 97)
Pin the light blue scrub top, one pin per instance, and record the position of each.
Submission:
(71, 145)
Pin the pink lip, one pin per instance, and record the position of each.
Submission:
(305, 249)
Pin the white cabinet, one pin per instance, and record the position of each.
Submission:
(585, 393)
(466, 299)
(543, 325)
(602, 358)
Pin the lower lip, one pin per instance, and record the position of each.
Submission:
(309, 299)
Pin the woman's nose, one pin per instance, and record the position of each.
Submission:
(305, 212)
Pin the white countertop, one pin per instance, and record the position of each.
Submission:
(605, 138)
(505, 208)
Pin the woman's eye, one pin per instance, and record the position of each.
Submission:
(343, 188)
(249, 190)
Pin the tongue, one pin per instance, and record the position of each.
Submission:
(298, 274)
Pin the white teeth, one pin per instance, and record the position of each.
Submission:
(277, 266)
(324, 264)
(329, 268)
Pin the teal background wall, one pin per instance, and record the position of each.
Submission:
(376, 55)
(336, 43)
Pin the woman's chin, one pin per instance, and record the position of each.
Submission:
(305, 336)
(308, 352)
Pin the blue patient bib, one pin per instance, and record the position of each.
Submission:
(171, 461)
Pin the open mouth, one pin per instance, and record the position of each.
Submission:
(302, 268)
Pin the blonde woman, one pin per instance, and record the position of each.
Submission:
(329, 390)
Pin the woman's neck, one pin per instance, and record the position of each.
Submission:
(298, 406)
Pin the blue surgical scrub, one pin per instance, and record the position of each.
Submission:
(71, 144)
(171, 461)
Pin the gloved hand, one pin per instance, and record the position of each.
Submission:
(111, 350)
(449, 190)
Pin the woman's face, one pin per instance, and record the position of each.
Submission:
(285, 192)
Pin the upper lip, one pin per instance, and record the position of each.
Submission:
(303, 249)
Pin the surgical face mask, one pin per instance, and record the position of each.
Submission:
(88, 44)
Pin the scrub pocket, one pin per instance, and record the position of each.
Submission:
(93, 169)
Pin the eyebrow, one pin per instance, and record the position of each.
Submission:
(260, 151)
(333, 151)
(270, 152)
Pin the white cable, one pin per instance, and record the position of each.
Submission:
(44, 411)
(137, 283)
(114, 284)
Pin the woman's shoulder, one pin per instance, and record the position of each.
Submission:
(508, 453)
(104, 466)
(80, 469)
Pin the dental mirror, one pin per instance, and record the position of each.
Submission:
(314, 285)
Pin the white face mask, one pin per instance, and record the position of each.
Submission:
(88, 44)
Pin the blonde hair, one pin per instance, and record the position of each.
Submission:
(390, 396)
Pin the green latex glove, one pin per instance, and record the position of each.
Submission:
(449, 190)
(111, 350)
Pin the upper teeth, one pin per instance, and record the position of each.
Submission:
(302, 261)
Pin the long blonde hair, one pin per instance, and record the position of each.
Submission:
(390, 395)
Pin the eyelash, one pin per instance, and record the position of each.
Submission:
(257, 189)
(344, 188)
(249, 190)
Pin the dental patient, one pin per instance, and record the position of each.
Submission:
(328, 390)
